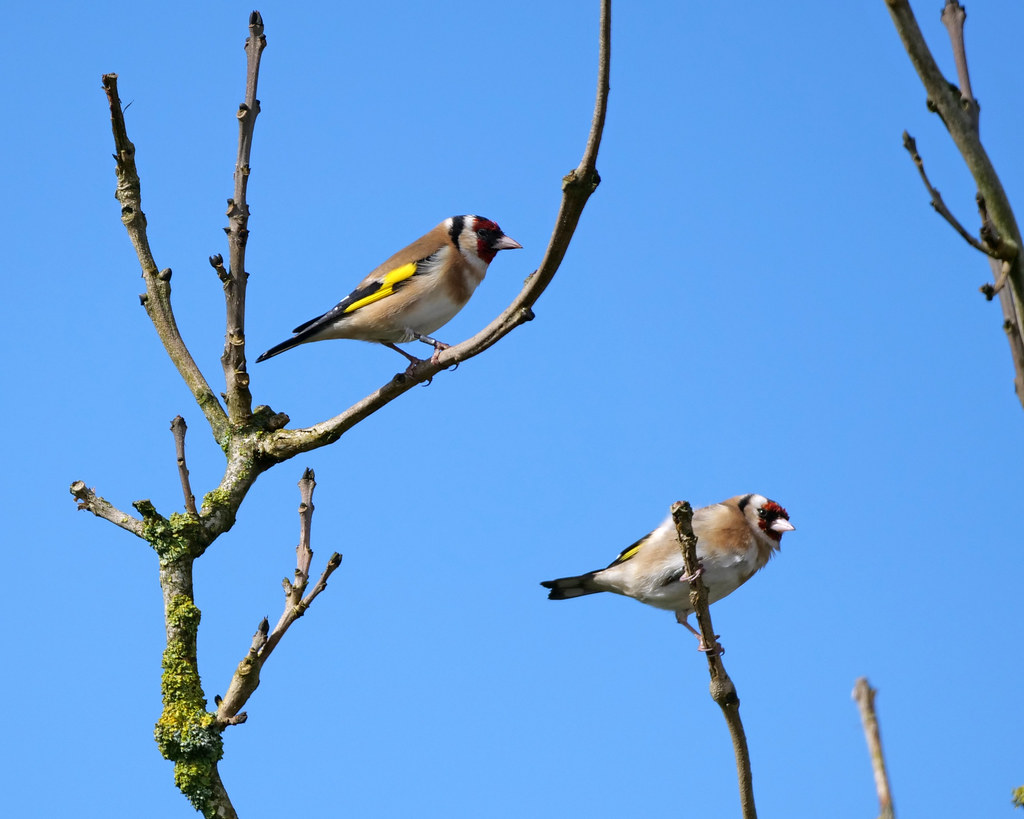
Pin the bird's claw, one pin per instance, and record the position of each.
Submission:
(684, 620)
(716, 650)
(438, 347)
(689, 578)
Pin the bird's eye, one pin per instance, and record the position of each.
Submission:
(762, 513)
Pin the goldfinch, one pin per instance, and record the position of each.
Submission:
(415, 292)
(735, 538)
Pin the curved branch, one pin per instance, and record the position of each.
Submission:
(577, 186)
(723, 691)
(236, 379)
(157, 298)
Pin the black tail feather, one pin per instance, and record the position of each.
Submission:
(280, 348)
(565, 588)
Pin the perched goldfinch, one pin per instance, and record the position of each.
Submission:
(413, 293)
(735, 538)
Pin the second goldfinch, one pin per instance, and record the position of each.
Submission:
(415, 292)
(735, 538)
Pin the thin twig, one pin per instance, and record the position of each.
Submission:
(723, 691)
(864, 696)
(937, 202)
(157, 299)
(953, 17)
(238, 397)
(178, 428)
(89, 501)
(247, 676)
(577, 186)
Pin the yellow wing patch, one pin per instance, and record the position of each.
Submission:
(629, 551)
(387, 286)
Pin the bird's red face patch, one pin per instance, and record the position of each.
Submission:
(767, 515)
(487, 233)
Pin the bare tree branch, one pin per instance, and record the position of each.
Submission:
(157, 299)
(577, 187)
(723, 691)
(247, 675)
(304, 551)
(253, 440)
(89, 501)
(864, 695)
(953, 17)
(238, 397)
(178, 428)
(959, 112)
(940, 206)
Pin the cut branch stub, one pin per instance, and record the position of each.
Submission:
(89, 501)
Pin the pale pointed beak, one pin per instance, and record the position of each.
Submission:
(782, 525)
(506, 243)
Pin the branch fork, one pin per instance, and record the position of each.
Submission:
(956, 106)
(253, 440)
(264, 641)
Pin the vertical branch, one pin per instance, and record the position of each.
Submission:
(723, 691)
(178, 428)
(157, 298)
(239, 399)
(303, 552)
(186, 733)
(953, 18)
(864, 695)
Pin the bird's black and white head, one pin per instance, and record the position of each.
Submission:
(478, 239)
(765, 516)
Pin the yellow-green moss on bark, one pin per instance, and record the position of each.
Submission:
(215, 500)
(186, 733)
(173, 538)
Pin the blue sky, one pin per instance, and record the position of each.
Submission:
(758, 299)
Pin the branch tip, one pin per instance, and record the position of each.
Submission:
(178, 428)
(864, 695)
(89, 501)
